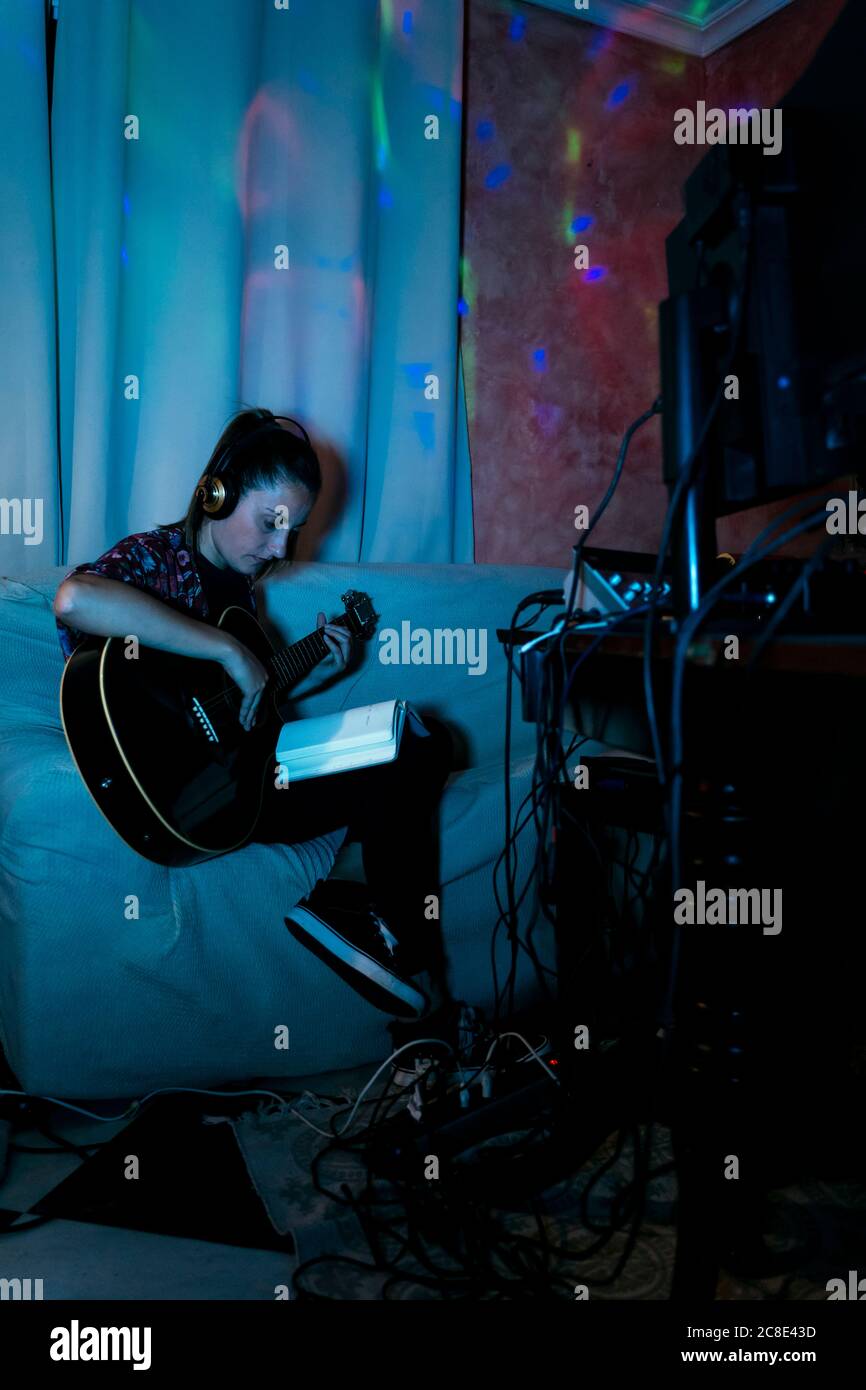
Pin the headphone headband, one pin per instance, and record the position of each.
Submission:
(219, 495)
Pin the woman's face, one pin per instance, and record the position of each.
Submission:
(258, 529)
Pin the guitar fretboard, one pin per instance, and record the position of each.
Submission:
(291, 664)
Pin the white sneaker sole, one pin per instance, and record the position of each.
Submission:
(393, 986)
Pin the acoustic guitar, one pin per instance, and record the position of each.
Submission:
(158, 743)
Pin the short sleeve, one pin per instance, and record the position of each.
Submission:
(134, 560)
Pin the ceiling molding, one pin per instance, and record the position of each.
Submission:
(666, 22)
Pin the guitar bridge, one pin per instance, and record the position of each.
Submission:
(205, 723)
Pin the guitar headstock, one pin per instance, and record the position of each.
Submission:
(360, 616)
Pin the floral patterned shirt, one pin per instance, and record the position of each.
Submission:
(159, 561)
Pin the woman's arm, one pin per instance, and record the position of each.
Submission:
(112, 608)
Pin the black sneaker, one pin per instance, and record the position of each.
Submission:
(338, 923)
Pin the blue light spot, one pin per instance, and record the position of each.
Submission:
(539, 358)
(27, 51)
(425, 428)
(346, 263)
(407, 21)
(308, 83)
(771, 598)
(618, 95)
(124, 256)
(416, 372)
(783, 383)
(381, 156)
(484, 130)
(598, 272)
(498, 175)
(323, 262)
(580, 224)
(433, 95)
(599, 43)
(518, 28)
(462, 306)
(386, 197)
(549, 417)
(126, 204)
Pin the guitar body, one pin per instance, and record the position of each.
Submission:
(160, 748)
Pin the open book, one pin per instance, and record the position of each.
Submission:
(350, 738)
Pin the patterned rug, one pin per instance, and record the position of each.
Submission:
(828, 1219)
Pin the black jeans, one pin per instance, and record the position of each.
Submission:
(390, 810)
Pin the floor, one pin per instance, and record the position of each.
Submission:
(193, 1179)
(189, 1224)
(85, 1260)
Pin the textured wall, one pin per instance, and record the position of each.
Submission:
(565, 121)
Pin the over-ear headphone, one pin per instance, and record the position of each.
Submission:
(219, 489)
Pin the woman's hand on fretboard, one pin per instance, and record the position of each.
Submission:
(337, 639)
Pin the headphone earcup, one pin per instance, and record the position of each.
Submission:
(231, 495)
(218, 496)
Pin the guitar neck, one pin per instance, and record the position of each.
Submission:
(289, 665)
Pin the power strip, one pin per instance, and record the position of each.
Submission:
(474, 1088)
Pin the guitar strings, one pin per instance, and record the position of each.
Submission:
(283, 663)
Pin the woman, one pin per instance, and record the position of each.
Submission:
(170, 586)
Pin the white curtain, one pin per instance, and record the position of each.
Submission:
(243, 202)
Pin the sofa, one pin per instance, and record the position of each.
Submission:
(195, 990)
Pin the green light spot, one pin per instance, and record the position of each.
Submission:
(380, 125)
(467, 281)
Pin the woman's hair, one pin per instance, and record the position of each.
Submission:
(279, 456)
